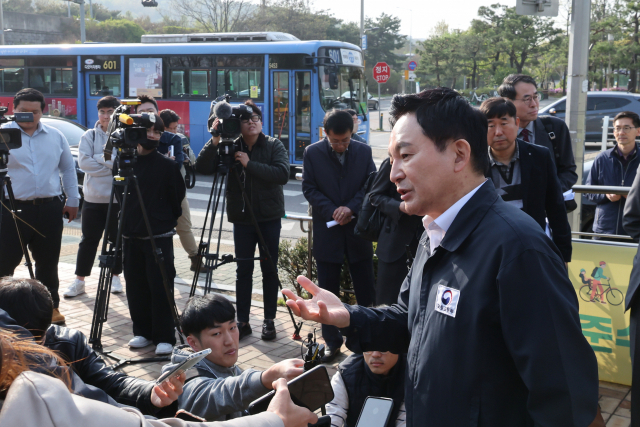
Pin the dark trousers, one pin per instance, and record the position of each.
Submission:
(391, 275)
(329, 278)
(635, 367)
(149, 306)
(94, 219)
(245, 239)
(44, 244)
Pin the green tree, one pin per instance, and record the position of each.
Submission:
(290, 16)
(519, 37)
(384, 41)
(114, 31)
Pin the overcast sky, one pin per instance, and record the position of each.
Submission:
(419, 17)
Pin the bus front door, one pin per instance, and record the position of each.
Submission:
(291, 111)
(98, 85)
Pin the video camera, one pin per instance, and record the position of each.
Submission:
(10, 139)
(125, 132)
(228, 128)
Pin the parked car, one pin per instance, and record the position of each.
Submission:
(73, 132)
(599, 105)
(372, 103)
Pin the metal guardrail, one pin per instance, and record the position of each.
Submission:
(601, 189)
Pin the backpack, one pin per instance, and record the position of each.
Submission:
(593, 273)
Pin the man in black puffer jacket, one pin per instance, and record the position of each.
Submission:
(26, 307)
(263, 168)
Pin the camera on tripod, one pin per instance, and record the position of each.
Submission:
(10, 139)
(125, 132)
(228, 127)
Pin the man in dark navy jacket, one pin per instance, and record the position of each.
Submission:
(524, 174)
(333, 175)
(483, 349)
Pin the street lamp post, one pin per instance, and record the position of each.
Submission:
(83, 34)
(361, 22)
(1, 25)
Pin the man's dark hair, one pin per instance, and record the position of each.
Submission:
(445, 116)
(169, 116)
(28, 302)
(204, 312)
(256, 110)
(508, 87)
(108, 102)
(338, 122)
(146, 98)
(352, 112)
(29, 95)
(496, 108)
(628, 115)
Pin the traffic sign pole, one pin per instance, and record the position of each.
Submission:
(379, 108)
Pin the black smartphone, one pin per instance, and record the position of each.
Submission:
(311, 390)
(375, 412)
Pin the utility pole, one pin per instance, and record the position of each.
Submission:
(578, 85)
(1, 25)
(83, 34)
(361, 21)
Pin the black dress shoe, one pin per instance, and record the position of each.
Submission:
(330, 354)
(268, 330)
(244, 329)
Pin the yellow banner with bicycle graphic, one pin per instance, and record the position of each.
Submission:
(600, 276)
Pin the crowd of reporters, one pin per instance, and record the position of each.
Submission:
(335, 174)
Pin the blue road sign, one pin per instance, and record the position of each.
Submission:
(364, 42)
(412, 65)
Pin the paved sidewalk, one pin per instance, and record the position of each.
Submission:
(254, 353)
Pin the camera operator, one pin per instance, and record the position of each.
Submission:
(97, 192)
(263, 167)
(148, 104)
(35, 171)
(162, 189)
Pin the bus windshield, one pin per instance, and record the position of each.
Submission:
(343, 87)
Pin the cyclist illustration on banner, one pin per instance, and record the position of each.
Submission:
(593, 290)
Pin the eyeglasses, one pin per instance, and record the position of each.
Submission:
(624, 129)
(255, 118)
(527, 99)
(368, 353)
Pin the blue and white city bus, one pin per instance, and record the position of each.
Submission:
(294, 82)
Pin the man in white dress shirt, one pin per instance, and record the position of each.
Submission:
(35, 171)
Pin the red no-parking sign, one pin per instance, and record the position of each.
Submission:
(381, 72)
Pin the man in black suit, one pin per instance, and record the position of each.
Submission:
(631, 224)
(549, 132)
(524, 174)
(333, 175)
(400, 232)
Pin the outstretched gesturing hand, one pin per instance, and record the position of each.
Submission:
(324, 307)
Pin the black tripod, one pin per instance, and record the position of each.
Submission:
(215, 260)
(111, 252)
(5, 182)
